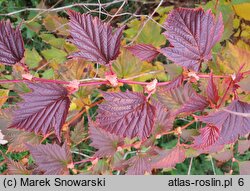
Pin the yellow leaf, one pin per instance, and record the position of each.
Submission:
(232, 58)
(243, 10)
(73, 106)
(3, 96)
(151, 33)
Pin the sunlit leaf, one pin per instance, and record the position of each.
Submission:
(151, 33)
(242, 10)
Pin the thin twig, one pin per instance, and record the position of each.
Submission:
(190, 165)
(212, 162)
(116, 13)
(144, 24)
(61, 8)
(82, 154)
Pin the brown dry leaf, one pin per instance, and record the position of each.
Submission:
(56, 24)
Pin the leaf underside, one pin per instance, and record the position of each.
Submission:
(169, 158)
(231, 126)
(208, 136)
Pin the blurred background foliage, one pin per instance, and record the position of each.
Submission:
(45, 32)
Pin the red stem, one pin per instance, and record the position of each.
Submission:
(214, 76)
(99, 82)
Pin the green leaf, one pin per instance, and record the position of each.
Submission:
(49, 74)
(54, 55)
(235, 2)
(32, 58)
(151, 33)
(53, 41)
(34, 26)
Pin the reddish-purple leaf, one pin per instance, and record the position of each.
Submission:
(146, 52)
(126, 114)
(243, 146)
(224, 155)
(208, 136)
(105, 142)
(164, 120)
(182, 99)
(189, 134)
(192, 33)
(117, 161)
(230, 121)
(101, 167)
(79, 133)
(52, 159)
(195, 103)
(175, 83)
(16, 168)
(18, 138)
(95, 40)
(139, 165)
(212, 91)
(43, 110)
(244, 168)
(11, 44)
(169, 158)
